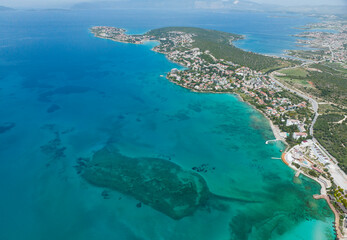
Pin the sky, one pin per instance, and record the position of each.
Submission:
(302, 2)
(67, 3)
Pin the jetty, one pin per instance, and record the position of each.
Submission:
(297, 174)
(273, 140)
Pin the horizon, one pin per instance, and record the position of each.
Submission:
(214, 4)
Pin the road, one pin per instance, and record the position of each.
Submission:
(332, 53)
(338, 175)
(313, 102)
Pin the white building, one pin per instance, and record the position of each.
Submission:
(298, 135)
(291, 122)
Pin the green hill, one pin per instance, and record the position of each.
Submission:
(220, 45)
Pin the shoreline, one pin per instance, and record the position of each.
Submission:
(275, 129)
(322, 195)
(276, 132)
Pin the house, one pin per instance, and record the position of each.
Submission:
(284, 134)
(298, 135)
(301, 127)
(291, 122)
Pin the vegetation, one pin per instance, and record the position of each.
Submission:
(309, 54)
(333, 136)
(331, 108)
(219, 44)
(296, 165)
(296, 72)
(325, 80)
(340, 197)
(331, 83)
(295, 99)
(313, 173)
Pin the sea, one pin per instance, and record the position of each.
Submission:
(65, 94)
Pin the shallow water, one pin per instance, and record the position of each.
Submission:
(65, 95)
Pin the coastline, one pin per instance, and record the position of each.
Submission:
(322, 195)
(275, 129)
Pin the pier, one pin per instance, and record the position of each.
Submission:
(273, 140)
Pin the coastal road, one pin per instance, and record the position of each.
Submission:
(338, 175)
(313, 102)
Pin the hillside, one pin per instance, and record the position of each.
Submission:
(220, 45)
(327, 81)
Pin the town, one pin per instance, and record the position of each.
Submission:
(328, 43)
(205, 73)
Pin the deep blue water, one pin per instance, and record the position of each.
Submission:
(65, 94)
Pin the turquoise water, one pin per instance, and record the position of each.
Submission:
(65, 94)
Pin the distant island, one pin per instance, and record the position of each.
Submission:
(2, 8)
(213, 64)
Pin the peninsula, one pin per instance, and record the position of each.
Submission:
(213, 64)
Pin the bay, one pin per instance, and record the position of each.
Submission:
(67, 94)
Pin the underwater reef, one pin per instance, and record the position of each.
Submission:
(156, 182)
